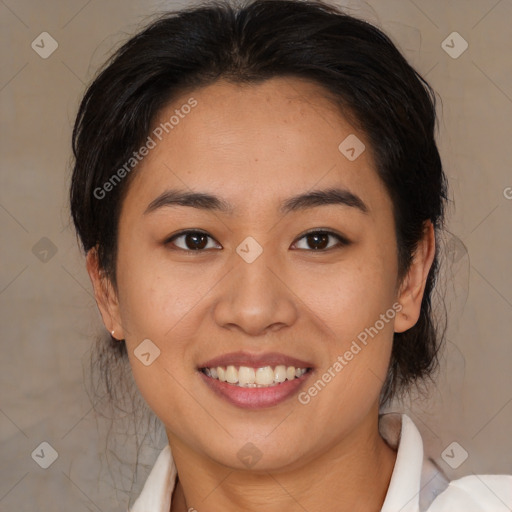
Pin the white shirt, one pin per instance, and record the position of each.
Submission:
(417, 484)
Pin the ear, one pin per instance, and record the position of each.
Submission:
(413, 286)
(106, 297)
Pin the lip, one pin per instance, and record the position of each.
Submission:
(251, 360)
(255, 398)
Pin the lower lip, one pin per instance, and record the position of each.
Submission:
(255, 398)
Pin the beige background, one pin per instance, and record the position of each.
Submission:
(47, 311)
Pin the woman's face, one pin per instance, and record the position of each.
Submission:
(257, 291)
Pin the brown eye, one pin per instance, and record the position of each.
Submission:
(319, 240)
(191, 240)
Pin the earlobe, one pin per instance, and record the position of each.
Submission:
(413, 287)
(104, 293)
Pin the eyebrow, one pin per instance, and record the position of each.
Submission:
(204, 201)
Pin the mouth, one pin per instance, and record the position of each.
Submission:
(249, 377)
(255, 381)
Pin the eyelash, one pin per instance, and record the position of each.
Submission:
(342, 241)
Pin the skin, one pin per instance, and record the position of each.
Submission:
(256, 146)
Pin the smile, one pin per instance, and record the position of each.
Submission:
(248, 377)
(254, 380)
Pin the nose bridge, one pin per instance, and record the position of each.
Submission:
(255, 280)
(256, 272)
(255, 297)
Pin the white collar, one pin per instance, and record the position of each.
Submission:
(414, 484)
(415, 481)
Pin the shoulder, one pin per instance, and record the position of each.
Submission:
(476, 493)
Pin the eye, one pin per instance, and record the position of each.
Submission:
(193, 240)
(197, 241)
(319, 240)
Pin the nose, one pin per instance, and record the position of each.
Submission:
(255, 297)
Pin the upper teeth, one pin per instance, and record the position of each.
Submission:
(246, 376)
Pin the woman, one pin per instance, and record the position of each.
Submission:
(259, 192)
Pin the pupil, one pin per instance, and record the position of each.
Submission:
(199, 237)
(316, 237)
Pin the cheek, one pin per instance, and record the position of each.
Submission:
(362, 321)
(157, 304)
(154, 294)
(351, 296)
(355, 306)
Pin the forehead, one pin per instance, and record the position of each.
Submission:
(254, 144)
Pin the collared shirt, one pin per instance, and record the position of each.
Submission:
(416, 485)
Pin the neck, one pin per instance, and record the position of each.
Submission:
(338, 479)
